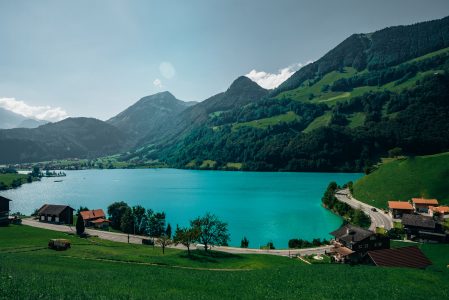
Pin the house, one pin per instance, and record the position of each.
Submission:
(96, 218)
(423, 228)
(61, 214)
(4, 211)
(351, 243)
(399, 208)
(405, 257)
(441, 212)
(422, 205)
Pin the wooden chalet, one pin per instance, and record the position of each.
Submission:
(351, 243)
(398, 208)
(60, 214)
(96, 218)
(405, 257)
(422, 205)
(4, 211)
(423, 228)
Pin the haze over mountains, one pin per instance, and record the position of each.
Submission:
(339, 113)
(9, 119)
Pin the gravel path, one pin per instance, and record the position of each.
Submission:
(136, 239)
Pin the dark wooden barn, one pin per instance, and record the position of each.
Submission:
(4, 211)
(60, 214)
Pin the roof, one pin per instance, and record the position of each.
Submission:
(100, 220)
(440, 209)
(52, 209)
(92, 214)
(343, 251)
(425, 201)
(4, 199)
(418, 221)
(410, 257)
(400, 205)
(349, 233)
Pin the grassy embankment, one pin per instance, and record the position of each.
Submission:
(6, 180)
(402, 179)
(106, 270)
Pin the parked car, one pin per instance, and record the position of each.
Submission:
(59, 244)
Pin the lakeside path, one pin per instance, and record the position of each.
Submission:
(136, 239)
(378, 217)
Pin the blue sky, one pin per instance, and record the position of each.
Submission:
(95, 58)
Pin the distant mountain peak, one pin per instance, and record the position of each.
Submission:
(243, 82)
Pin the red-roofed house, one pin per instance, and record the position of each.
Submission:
(422, 204)
(95, 218)
(440, 211)
(398, 208)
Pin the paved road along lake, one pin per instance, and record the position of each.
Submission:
(266, 206)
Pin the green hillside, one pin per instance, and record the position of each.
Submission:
(402, 179)
(98, 269)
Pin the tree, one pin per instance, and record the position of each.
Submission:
(127, 221)
(168, 230)
(244, 243)
(185, 236)
(164, 241)
(211, 230)
(138, 213)
(156, 224)
(79, 225)
(82, 208)
(116, 211)
(395, 152)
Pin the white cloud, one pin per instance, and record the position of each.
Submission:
(167, 70)
(273, 80)
(158, 83)
(47, 113)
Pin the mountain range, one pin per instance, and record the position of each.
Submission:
(9, 119)
(372, 93)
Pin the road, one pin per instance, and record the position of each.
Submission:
(136, 239)
(378, 217)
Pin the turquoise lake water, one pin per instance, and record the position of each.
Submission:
(261, 206)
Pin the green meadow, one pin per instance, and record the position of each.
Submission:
(98, 269)
(402, 179)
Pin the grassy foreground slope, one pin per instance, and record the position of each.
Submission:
(107, 270)
(426, 176)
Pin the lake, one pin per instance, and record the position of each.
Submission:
(263, 206)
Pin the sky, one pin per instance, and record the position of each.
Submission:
(94, 58)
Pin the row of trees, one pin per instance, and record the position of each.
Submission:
(207, 230)
(351, 215)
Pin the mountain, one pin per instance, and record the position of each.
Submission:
(31, 123)
(370, 94)
(373, 51)
(147, 115)
(69, 138)
(241, 92)
(9, 119)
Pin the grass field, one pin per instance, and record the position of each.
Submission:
(107, 270)
(426, 176)
(320, 121)
(7, 179)
(264, 123)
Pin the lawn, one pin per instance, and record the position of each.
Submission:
(7, 179)
(402, 179)
(107, 270)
